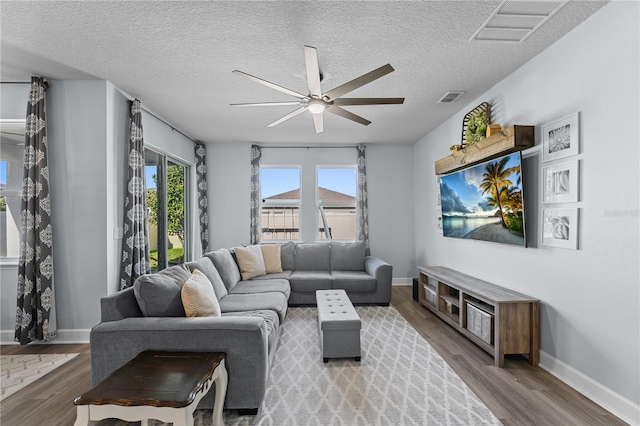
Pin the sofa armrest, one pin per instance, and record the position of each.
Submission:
(243, 339)
(378, 268)
(383, 272)
(120, 305)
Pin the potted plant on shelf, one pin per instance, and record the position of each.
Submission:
(474, 124)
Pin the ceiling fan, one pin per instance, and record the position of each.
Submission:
(316, 101)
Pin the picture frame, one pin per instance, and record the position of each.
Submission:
(560, 138)
(560, 183)
(560, 228)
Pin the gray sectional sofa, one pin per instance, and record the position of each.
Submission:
(150, 315)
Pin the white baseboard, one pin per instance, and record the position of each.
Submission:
(613, 402)
(402, 281)
(64, 337)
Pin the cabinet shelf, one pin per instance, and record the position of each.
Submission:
(450, 299)
(511, 139)
(499, 320)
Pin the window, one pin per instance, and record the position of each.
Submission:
(280, 194)
(11, 161)
(336, 201)
(167, 186)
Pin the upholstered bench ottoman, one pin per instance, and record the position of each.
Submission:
(339, 325)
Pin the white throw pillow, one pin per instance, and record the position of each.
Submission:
(271, 255)
(250, 261)
(198, 297)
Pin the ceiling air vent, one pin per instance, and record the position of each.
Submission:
(450, 97)
(514, 21)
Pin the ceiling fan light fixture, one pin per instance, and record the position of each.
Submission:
(316, 106)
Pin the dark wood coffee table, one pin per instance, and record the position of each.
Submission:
(166, 386)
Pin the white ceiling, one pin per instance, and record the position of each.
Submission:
(178, 58)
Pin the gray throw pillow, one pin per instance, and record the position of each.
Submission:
(347, 256)
(205, 265)
(226, 266)
(286, 255)
(158, 294)
(312, 257)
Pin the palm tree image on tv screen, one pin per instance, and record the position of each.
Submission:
(485, 202)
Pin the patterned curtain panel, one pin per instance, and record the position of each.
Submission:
(362, 209)
(201, 178)
(35, 313)
(135, 241)
(256, 222)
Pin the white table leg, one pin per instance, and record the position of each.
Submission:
(144, 422)
(221, 390)
(82, 415)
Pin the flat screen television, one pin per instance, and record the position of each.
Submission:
(484, 202)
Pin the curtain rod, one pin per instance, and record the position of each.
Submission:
(147, 111)
(169, 125)
(304, 147)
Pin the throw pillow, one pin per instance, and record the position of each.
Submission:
(198, 297)
(205, 265)
(271, 256)
(226, 266)
(158, 294)
(250, 261)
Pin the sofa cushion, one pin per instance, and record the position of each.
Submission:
(271, 256)
(287, 259)
(198, 297)
(274, 301)
(158, 294)
(262, 286)
(312, 257)
(310, 280)
(205, 265)
(226, 266)
(347, 256)
(353, 281)
(250, 261)
(280, 275)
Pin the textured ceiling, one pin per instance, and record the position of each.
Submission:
(178, 58)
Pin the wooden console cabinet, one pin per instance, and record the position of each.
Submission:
(499, 320)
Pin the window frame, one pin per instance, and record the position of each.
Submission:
(282, 203)
(13, 127)
(353, 205)
(165, 159)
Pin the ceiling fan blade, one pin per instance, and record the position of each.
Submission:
(288, 116)
(285, 103)
(318, 122)
(368, 101)
(313, 71)
(358, 82)
(271, 85)
(348, 115)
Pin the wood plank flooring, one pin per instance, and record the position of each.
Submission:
(517, 394)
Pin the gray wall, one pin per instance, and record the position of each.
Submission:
(390, 184)
(88, 132)
(590, 297)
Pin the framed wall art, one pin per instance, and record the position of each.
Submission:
(560, 183)
(560, 228)
(560, 139)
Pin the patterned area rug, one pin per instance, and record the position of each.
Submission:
(20, 370)
(401, 380)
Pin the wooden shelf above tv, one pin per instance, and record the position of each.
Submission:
(511, 139)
